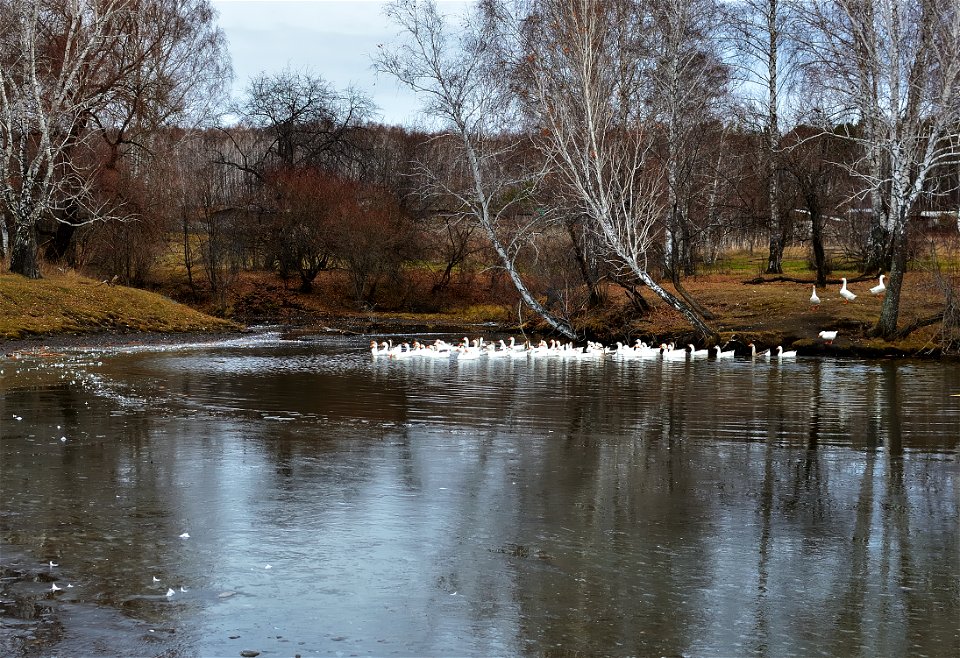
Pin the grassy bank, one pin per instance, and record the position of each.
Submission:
(746, 308)
(73, 304)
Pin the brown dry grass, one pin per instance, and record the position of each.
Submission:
(771, 313)
(69, 303)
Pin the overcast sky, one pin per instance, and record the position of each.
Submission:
(335, 39)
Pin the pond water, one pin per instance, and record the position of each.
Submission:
(338, 504)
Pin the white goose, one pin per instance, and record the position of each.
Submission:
(846, 294)
(879, 288)
(520, 349)
(671, 353)
(780, 354)
(828, 336)
(729, 354)
(698, 354)
(467, 351)
(814, 300)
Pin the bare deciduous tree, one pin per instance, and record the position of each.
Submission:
(460, 88)
(303, 119)
(40, 108)
(894, 68)
(583, 80)
(759, 30)
(74, 72)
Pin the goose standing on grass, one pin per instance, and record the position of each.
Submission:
(814, 300)
(879, 288)
(846, 294)
(828, 336)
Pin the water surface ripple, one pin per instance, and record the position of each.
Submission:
(341, 504)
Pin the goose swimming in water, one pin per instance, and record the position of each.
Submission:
(729, 354)
(754, 353)
(780, 354)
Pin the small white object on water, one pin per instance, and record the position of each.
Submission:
(185, 535)
(54, 588)
(183, 589)
(156, 580)
(16, 417)
(268, 566)
(69, 586)
(53, 564)
(63, 439)
(170, 592)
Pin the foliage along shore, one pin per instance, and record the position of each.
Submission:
(70, 309)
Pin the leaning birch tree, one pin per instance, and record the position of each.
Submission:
(586, 85)
(452, 73)
(894, 68)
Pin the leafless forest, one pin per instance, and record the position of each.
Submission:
(571, 144)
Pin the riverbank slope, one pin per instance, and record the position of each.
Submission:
(74, 305)
(71, 309)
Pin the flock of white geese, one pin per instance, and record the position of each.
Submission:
(480, 348)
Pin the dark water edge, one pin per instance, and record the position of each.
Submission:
(401, 327)
(892, 511)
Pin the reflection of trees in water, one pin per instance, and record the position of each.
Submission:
(883, 580)
(591, 501)
(605, 496)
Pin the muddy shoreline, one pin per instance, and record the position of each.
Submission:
(846, 347)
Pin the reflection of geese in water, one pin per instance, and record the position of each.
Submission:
(879, 288)
(846, 294)
(814, 300)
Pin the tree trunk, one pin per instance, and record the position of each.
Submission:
(586, 273)
(816, 238)
(687, 297)
(23, 254)
(886, 326)
(695, 321)
(877, 258)
(525, 294)
(775, 259)
(630, 261)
